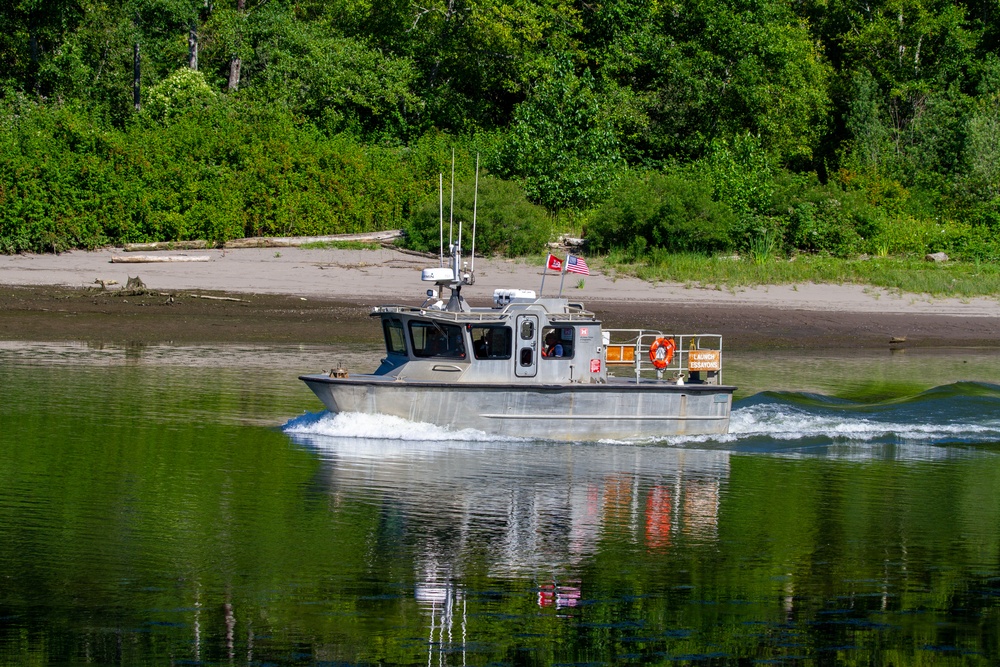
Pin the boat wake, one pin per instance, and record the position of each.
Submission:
(964, 413)
(961, 414)
(380, 427)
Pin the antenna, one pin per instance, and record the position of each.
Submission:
(458, 255)
(451, 212)
(475, 206)
(440, 219)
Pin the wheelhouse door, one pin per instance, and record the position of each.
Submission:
(526, 335)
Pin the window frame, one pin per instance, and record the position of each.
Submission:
(568, 345)
(394, 323)
(452, 333)
(509, 332)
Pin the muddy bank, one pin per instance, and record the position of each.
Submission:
(62, 314)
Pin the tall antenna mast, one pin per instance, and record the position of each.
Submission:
(475, 207)
(451, 212)
(440, 219)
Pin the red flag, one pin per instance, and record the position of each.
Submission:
(554, 263)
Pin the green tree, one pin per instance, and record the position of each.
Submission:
(721, 68)
(563, 143)
(180, 94)
(907, 53)
(476, 59)
(982, 150)
(340, 83)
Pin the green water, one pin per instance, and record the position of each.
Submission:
(154, 511)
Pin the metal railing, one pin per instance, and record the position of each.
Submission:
(489, 315)
(697, 358)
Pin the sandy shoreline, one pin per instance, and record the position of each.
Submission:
(318, 295)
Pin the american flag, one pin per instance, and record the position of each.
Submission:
(577, 265)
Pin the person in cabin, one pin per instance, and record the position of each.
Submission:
(483, 347)
(553, 348)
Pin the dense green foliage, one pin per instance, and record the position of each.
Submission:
(505, 223)
(69, 182)
(669, 212)
(836, 128)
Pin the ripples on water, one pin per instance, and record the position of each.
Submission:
(153, 511)
(965, 413)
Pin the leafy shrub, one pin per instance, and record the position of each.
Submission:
(741, 173)
(822, 227)
(966, 241)
(179, 94)
(56, 180)
(662, 211)
(904, 234)
(506, 223)
(822, 218)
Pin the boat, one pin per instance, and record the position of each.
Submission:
(533, 367)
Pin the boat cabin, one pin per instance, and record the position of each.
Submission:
(530, 340)
(543, 341)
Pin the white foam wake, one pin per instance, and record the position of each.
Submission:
(782, 422)
(756, 426)
(381, 427)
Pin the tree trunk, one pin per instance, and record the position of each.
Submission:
(236, 63)
(193, 45)
(234, 73)
(136, 90)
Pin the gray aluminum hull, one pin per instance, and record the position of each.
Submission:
(619, 409)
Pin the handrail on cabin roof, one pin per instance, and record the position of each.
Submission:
(484, 315)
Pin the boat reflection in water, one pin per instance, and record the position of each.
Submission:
(516, 517)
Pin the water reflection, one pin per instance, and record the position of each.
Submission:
(672, 521)
(514, 511)
(530, 507)
(152, 512)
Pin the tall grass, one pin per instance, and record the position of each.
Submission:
(898, 274)
(763, 247)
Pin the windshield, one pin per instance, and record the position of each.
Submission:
(433, 339)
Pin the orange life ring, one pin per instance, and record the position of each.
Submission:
(661, 352)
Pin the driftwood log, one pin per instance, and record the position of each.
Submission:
(167, 245)
(147, 259)
(217, 298)
(295, 241)
(267, 241)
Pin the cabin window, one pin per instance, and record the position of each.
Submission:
(395, 338)
(527, 356)
(558, 342)
(491, 342)
(527, 329)
(433, 339)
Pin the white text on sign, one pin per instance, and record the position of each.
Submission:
(704, 360)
